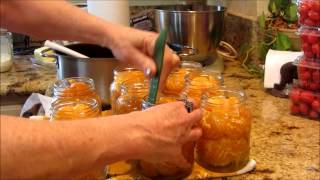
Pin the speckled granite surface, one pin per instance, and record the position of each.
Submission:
(25, 77)
(284, 146)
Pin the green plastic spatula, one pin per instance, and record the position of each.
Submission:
(158, 58)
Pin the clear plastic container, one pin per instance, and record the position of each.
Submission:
(309, 12)
(305, 103)
(310, 42)
(308, 73)
(6, 50)
(226, 125)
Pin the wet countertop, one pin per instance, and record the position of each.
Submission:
(284, 146)
(26, 77)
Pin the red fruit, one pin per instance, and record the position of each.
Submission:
(303, 108)
(316, 48)
(308, 54)
(313, 115)
(316, 106)
(306, 47)
(309, 22)
(305, 75)
(312, 37)
(314, 15)
(307, 97)
(295, 95)
(304, 37)
(314, 86)
(303, 9)
(295, 109)
(316, 76)
(304, 84)
(316, 6)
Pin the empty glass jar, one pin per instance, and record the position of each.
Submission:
(6, 50)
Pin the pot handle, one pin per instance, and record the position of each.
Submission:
(184, 51)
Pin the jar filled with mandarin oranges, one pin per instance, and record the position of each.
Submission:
(226, 124)
(121, 75)
(131, 95)
(73, 109)
(167, 170)
(75, 88)
(175, 82)
(199, 84)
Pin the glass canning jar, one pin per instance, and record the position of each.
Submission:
(121, 75)
(75, 88)
(226, 123)
(131, 96)
(6, 50)
(175, 82)
(167, 170)
(74, 109)
(199, 84)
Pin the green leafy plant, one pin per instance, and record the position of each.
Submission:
(283, 15)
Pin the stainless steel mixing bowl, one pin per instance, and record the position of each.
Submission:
(194, 31)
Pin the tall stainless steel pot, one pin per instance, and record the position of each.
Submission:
(99, 67)
(194, 30)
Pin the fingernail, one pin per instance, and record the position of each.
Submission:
(147, 72)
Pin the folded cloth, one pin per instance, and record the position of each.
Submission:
(36, 99)
(274, 61)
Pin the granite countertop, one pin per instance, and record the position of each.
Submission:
(26, 77)
(284, 146)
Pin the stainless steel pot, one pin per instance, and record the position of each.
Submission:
(99, 67)
(194, 30)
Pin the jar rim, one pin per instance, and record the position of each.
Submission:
(224, 92)
(117, 70)
(60, 85)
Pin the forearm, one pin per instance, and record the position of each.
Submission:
(37, 150)
(53, 20)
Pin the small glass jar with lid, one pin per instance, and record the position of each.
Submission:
(226, 123)
(175, 82)
(75, 88)
(6, 50)
(199, 84)
(74, 109)
(167, 170)
(131, 96)
(121, 75)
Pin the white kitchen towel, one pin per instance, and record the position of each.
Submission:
(116, 11)
(274, 61)
(36, 98)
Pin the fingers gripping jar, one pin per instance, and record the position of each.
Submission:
(168, 170)
(226, 124)
(131, 96)
(74, 109)
(175, 82)
(120, 75)
(75, 88)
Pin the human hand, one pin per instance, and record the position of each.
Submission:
(164, 129)
(136, 47)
